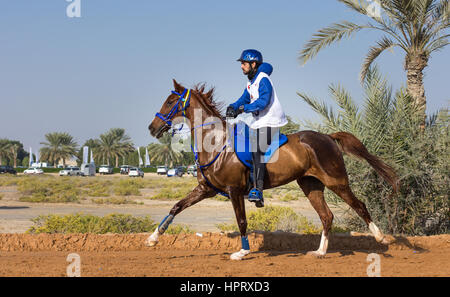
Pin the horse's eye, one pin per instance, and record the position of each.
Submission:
(169, 103)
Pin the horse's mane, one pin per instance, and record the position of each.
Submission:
(208, 99)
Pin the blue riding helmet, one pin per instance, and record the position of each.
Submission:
(251, 55)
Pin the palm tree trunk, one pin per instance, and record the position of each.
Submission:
(117, 161)
(414, 65)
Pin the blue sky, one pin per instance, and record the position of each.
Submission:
(113, 67)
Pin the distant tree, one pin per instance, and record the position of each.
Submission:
(14, 151)
(114, 144)
(59, 146)
(26, 161)
(93, 145)
(4, 149)
(163, 152)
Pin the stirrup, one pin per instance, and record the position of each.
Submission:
(256, 196)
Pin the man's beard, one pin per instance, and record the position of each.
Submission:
(252, 72)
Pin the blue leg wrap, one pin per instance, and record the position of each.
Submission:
(165, 224)
(245, 244)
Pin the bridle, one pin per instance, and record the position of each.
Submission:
(184, 101)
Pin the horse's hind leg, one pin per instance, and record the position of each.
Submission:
(347, 195)
(313, 189)
(199, 193)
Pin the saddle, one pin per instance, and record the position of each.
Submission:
(243, 148)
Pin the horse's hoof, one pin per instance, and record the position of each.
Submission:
(387, 239)
(315, 254)
(239, 255)
(151, 243)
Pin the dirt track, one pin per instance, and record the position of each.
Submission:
(274, 254)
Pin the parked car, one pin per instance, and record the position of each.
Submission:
(136, 172)
(174, 172)
(33, 171)
(70, 171)
(105, 169)
(7, 169)
(124, 169)
(161, 170)
(191, 169)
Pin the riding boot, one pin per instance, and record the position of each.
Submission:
(259, 168)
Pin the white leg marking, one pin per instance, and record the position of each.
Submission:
(152, 240)
(239, 255)
(376, 232)
(322, 248)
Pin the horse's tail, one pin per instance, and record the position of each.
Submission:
(349, 144)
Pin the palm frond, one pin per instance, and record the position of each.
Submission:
(349, 118)
(384, 44)
(322, 109)
(326, 36)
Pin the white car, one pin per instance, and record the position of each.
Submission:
(33, 171)
(161, 170)
(70, 171)
(105, 169)
(135, 172)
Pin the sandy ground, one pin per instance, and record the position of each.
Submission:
(273, 254)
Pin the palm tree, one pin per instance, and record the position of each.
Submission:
(418, 27)
(4, 149)
(14, 151)
(114, 144)
(386, 123)
(163, 152)
(58, 146)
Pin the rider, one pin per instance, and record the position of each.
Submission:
(259, 99)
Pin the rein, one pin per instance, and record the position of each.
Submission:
(185, 99)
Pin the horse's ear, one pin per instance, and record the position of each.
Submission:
(178, 88)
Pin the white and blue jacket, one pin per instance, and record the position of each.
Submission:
(260, 99)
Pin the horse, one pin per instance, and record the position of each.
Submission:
(312, 159)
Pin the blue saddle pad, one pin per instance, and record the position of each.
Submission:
(243, 149)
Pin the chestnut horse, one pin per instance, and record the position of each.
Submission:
(312, 159)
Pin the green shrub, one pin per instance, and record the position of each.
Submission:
(45, 189)
(111, 223)
(8, 180)
(172, 194)
(289, 196)
(275, 218)
(113, 200)
(128, 187)
(178, 229)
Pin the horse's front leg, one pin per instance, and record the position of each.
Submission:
(199, 193)
(237, 199)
